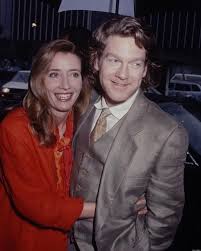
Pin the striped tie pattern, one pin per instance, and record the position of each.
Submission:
(101, 125)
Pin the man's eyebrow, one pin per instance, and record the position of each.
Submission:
(108, 54)
(74, 69)
(138, 59)
(111, 54)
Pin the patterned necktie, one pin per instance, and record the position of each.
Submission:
(101, 125)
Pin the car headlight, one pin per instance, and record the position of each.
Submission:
(5, 90)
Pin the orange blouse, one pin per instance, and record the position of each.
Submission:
(35, 209)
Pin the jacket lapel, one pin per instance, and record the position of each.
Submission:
(82, 120)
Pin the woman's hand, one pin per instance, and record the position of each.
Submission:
(88, 210)
(90, 207)
(140, 206)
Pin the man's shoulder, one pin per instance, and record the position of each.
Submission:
(94, 96)
(159, 118)
(159, 124)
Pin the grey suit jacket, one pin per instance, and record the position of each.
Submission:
(147, 157)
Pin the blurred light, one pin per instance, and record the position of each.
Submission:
(5, 90)
(33, 25)
(9, 108)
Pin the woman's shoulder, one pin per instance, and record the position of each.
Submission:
(15, 119)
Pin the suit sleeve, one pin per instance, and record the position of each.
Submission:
(165, 195)
(24, 182)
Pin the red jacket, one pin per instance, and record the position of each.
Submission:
(35, 211)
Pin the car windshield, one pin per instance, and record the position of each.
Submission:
(178, 76)
(187, 77)
(196, 78)
(21, 77)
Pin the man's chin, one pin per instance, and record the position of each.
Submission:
(114, 102)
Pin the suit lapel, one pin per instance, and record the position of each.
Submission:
(121, 155)
(82, 120)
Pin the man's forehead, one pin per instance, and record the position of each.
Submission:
(121, 40)
(123, 47)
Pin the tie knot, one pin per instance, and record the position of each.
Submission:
(101, 125)
(104, 113)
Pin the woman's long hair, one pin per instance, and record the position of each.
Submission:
(36, 102)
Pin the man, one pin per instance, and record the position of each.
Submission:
(141, 152)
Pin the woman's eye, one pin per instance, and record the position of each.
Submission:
(53, 74)
(76, 74)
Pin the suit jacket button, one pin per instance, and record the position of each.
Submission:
(84, 171)
(78, 188)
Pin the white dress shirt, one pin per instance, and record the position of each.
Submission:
(117, 111)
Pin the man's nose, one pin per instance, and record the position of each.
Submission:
(122, 71)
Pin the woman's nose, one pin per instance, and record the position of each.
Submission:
(64, 82)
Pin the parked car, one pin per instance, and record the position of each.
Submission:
(19, 81)
(5, 76)
(12, 92)
(18, 85)
(185, 85)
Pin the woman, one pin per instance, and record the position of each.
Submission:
(35, 146)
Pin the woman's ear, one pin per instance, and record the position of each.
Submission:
(96, 64)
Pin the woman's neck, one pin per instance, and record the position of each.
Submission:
(62, 129)
(61, 124)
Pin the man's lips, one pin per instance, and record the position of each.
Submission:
(122, 85)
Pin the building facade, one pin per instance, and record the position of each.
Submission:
(39, 20)
(6, 19)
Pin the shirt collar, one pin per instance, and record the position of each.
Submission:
(118, 110)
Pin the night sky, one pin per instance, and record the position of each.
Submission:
(147, 6)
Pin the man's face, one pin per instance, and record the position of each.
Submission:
(121, 68)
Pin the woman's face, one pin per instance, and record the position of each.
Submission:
(63, 82)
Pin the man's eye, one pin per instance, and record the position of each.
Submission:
(137, 64)
(53, 74)
(112, 60)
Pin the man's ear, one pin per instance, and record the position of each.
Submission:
(96, 64)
